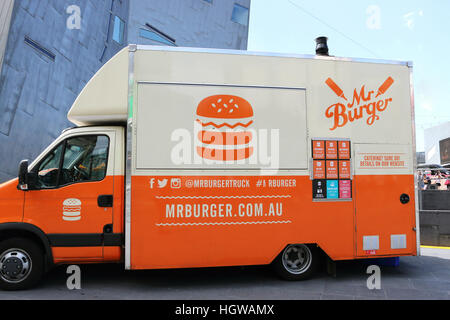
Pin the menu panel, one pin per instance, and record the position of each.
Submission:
(320, 189)
(332, 189)
(332, 169)
(345, 189)
(331, 150)
(344, 169)
(344, 149)
(319, 169)
(318, 149)
(331, 166)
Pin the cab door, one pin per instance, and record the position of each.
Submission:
(73, 197)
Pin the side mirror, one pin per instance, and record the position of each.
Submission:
(23, 175)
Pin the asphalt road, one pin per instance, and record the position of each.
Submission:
(422, 277)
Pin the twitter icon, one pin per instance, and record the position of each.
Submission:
(162, 183)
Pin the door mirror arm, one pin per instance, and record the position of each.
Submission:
(32, 181)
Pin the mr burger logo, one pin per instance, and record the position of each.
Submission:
(224, 133)
(225, 120)
(71, 210)
(365, 104)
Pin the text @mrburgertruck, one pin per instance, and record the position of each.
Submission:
(215, 201)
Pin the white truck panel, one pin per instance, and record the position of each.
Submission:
(104, 98)
(164, 111)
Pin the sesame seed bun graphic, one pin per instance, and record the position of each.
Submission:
(225, 107)
(71, 210)
(225, 121)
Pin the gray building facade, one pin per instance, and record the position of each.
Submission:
(190, 23)
(54, 47)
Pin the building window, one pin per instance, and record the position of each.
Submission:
(39, 48)
(240, 14)
(119, 30)
(156, 35)
(209, 1)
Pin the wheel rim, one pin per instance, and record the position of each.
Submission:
(15, 265)
(297, 258)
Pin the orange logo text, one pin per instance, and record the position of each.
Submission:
(365, 104)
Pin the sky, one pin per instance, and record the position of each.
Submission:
(412, 30)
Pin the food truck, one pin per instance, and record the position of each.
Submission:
(185, 157)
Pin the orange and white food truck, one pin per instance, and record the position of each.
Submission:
(186, 158)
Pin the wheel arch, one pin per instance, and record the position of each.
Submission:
(29, 231)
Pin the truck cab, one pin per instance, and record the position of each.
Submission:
(67, 204)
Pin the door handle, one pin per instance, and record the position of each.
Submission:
(105, 201)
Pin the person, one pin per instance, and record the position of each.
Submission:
(421, 178)
(428, 184)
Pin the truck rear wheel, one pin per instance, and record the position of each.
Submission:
(296, 262)
(21, 264)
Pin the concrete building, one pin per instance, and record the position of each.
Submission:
(437, 144)
(6, 8)
(420, 157)
(49, 49)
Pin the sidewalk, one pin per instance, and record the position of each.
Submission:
(438, 252)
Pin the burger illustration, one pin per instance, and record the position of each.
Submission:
(225, 122)
(71, 210)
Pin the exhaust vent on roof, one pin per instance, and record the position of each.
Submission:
(322, 46)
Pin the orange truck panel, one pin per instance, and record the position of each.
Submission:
(241, 224)
(11, 202)
(379, 212)
(45, 208)
(77, 254)
(236, 226)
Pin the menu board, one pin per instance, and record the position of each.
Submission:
(345, 189)
(318, 149)
(331, 169)
(332, 149)
(320, 189)
(319, 169)
(344, 169)
(344, 149)
(332, 189)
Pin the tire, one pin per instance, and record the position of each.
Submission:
(297, 262)
(25, 256)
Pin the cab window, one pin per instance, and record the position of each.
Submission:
(49, 168)
(84, 159)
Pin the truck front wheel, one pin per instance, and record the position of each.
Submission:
(21, 264)
(296, 262)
